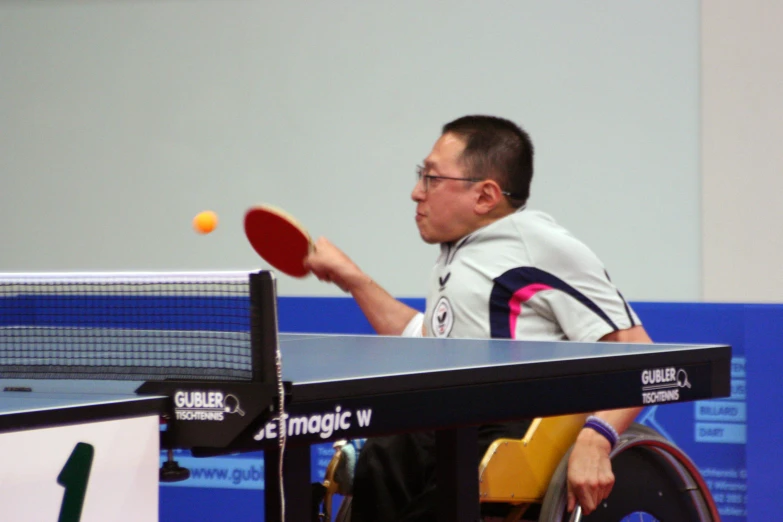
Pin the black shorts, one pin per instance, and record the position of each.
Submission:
(395, 476)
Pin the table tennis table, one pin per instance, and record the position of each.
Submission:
(343, 387)
(78, 451)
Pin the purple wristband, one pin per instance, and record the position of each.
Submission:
(604, 428)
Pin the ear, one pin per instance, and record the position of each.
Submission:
(488, 197)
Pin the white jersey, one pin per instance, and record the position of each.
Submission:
(523, 277)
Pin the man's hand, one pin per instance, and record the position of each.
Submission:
(329, 264)
(590, 477)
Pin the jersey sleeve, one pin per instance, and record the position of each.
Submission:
(577, 291)
(414, 328)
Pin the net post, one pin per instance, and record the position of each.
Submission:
(263, 326)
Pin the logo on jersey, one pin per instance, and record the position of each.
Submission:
(443, 281)
(442, 318)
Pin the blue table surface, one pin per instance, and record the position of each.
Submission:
(61, 394)
(313, 358)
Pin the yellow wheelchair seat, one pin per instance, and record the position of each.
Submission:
(517, 471)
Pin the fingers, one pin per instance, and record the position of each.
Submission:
(322, 273)
(590, 477)
(582, 496)
(322, 253)
(326, 261)
(607, 491)
(322, 244)
(318, 260)
(589, 493)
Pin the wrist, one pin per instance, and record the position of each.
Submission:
(590, 437)
(354, 279)
(597, 429)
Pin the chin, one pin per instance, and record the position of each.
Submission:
(424, 236)
(430, 238)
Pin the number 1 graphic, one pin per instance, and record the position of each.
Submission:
(73, 478)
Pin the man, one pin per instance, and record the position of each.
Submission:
(504, 271)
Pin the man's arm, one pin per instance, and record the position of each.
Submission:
(387, 315)
(590, 477)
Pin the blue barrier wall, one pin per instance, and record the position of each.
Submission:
(763, 337)
(731, 440)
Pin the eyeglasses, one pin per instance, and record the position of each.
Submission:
(421, 175)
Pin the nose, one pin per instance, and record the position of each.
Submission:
(418, 193)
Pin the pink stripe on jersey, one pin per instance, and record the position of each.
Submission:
(522, 295)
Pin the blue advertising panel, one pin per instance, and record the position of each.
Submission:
(713, 433)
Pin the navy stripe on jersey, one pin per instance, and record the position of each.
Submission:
(625, 303)
(516, 279)
(627, 309)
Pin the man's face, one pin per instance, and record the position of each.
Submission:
(445, 208)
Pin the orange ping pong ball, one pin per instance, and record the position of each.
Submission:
(205, 222)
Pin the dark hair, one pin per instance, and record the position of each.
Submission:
(497, 149)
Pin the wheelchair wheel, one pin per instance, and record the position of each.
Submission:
(344, 513)
(654, 481)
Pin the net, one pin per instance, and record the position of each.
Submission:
(138, 326)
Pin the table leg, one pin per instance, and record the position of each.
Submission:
(296, 482)
(457, 472)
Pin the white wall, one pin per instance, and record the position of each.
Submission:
(122, 120)
(742, 150)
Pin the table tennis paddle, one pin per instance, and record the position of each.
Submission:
(279, 239)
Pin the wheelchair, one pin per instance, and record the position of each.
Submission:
(525, 479)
